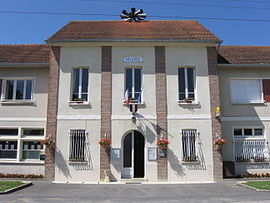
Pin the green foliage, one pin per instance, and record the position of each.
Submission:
(261, 185)
(5, 185)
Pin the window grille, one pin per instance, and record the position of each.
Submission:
(189, 145)
(77, 145)
(250, 149)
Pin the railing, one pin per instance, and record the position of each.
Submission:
(250, 150)
(189, 145)
(77, 145)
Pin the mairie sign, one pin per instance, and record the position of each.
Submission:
(133, 59)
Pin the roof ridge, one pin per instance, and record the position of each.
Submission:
(128, 21)
(24, 45)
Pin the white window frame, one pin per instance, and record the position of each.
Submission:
(248, 137)
(80, 85)
(20, 139)
(15, 79)
(186, 83)
(247, 78)
(133, 81)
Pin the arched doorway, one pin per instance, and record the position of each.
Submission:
(133, 155)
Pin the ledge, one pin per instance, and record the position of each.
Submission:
(190, 162)
(18, 102)
(79, 103)
(193, 103)
(22, 162)
(142, 104)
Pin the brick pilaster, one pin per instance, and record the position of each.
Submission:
(52, 111)
(161, 105)
(215, 102)
(106, 105)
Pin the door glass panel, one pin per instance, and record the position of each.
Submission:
(127, 150)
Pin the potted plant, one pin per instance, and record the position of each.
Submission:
(189, 100)
(162, 143)
(105, 142)
(219, 142)
(133, 100)
(78, 100)
(48, 142)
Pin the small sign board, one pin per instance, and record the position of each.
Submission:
(115, 153)
(42, 155)
(152, 153)
(162, 153)
(133, 59)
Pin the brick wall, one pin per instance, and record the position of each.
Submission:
(52, 110)
(106, 105)
(215, 102)
(161, 105)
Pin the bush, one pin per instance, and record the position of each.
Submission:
(15, 175)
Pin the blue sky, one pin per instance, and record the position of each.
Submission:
(30, 29)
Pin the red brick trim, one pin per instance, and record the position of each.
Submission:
(215, 102)
(161, 105)
(52, 111)
(106, 105)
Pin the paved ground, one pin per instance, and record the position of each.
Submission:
(224, 191)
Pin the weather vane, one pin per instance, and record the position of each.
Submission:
(133, 16)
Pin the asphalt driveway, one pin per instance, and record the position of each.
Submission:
(224, 191)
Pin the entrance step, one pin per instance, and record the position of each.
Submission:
(134, 180)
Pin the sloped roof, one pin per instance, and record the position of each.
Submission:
(156, 30)
(244, 55)
(30, 53)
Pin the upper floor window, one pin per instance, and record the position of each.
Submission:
(246, 91)
(186, 84)
(134, 83)
(80, 84)
(17, 89)
(246, 132)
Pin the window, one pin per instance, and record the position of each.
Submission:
(189, 145)
(32, 132)
(18, 89)
(246, 91)
(31, 150)
(245, 132)
(77, 145)
(249, 144)
(8, 149)
(29, 140)
(8, 132)
(1, 83)
(186, 83)
(80, 84)
(134, 83)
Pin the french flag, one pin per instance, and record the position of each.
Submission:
(127, 99)
(133, 107)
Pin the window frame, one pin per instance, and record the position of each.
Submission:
(20, 139)
(247, 78)
(195, 147)
(247, 137)
(133, 81)
(80, 85)
(186, 83)
(84, 150)
(15, 79)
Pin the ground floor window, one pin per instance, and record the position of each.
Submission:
(250, 144)
(77, 140)
(189, 138)
(21, 144)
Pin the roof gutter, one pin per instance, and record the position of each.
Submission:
(244, 65)
(11, 64)
(132, 40)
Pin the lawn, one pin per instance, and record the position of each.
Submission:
(5, 185)
(261, 185)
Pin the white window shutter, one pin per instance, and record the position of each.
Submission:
(246, 91)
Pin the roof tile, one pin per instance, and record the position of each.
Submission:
(123, 30)
(32, 53)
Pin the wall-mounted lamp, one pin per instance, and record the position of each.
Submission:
(133, 118)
